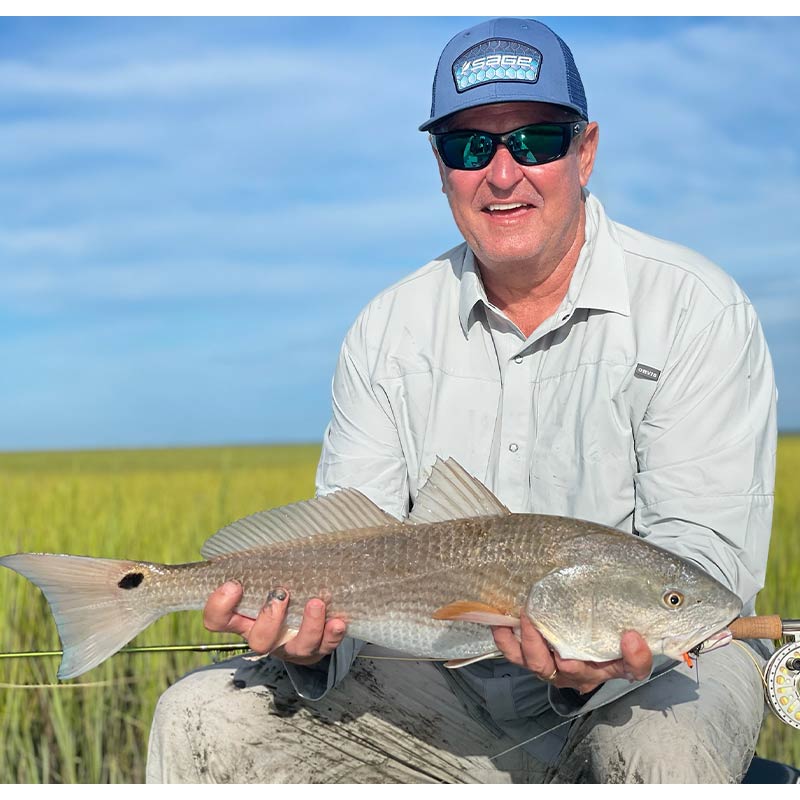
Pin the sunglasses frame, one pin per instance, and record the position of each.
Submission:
(572, 130)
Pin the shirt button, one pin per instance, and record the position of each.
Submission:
(518, 360)
(513, 447)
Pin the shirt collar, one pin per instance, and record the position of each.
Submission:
(598, 281)
(471, 290)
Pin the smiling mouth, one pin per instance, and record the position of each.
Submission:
(506, 209)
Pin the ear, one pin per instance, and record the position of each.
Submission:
(587, 150)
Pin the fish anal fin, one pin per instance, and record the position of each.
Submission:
(474, 611)
(457, 663)
(286, 636)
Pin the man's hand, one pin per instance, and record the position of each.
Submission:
(531, 651)
(315, 638)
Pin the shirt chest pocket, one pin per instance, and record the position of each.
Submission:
(584, 459)
(442, 415)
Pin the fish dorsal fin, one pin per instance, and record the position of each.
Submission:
(339, 511)
(452, 493)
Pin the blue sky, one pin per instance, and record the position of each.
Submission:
(179, 259)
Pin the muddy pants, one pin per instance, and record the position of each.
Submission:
(398, 722)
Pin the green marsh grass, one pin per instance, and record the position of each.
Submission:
(160, 505)
(157, 505)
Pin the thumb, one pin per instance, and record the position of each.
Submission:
(636, 655)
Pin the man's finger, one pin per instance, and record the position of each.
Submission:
(266, 630)
(335, 630)
(508, 644)
(219, 613)
(309, 637)
(538, 656)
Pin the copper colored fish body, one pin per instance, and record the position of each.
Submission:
(429, 586)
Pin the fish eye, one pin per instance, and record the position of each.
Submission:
(672, 599)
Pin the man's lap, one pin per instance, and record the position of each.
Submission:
(388, 722)
(398, 722)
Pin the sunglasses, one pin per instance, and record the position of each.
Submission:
(530, 145)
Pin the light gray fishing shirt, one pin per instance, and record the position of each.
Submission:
(646, 402)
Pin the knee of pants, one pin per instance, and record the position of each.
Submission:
(659, 748)
(673, 759)
(203, 695)
(201, 725)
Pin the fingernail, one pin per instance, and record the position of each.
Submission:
(629, 676)
(231, 587)
(336, 630)
(316, 608)
(276, 594)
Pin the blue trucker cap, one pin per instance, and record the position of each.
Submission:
(503, 61)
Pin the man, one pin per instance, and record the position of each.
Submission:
(576, 367)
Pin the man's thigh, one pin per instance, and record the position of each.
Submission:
(388, 722)
(696, 725)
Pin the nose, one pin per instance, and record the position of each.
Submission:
(503, 172)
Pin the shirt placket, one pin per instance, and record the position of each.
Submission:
(515, 440)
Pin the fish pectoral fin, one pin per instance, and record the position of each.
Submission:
(457, 663)
(473, 611)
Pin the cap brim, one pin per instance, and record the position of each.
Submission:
(506, 98)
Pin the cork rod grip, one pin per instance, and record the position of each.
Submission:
(757, 627)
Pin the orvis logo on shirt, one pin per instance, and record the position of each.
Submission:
(496, 60)
(648, 373)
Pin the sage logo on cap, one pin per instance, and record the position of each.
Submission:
(496, 60)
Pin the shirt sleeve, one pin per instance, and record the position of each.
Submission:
(361, 449)
(706, 453)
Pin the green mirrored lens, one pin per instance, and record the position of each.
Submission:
(537, 144)
(467, 151)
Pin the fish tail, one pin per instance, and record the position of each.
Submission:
(98, 604)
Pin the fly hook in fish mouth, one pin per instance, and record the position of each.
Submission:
(717, 640)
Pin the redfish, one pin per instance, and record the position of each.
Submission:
(429, 586)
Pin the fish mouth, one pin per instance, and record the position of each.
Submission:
(714, 642)
(699, 641)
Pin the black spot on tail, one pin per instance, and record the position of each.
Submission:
(131, 580)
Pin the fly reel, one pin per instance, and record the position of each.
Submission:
(782, 677)
(782, 673)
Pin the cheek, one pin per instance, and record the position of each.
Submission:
(562, 192)
(460, 187)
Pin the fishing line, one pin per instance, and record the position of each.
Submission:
(759, 669)
(652, 678)
(570, 720)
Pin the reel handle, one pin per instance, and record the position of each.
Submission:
(767, 627)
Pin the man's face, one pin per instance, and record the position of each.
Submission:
(546, 212)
